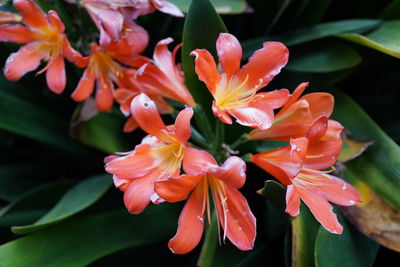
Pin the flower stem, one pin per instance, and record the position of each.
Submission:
(241, 140)
(219, 137)
(198, 138)
(210, 244)
(203, 123)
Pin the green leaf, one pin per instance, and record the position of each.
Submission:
(312, 33)
(379, 166)
(392, 11)
(201, 30)
(385, 39)
(350, 249)
(33, 204)
(323, 57)
(221, 6)
(352, 149)
(75, 200)
(81, 241)
(304, 234)
(26, 119)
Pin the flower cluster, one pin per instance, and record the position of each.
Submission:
(165, 166)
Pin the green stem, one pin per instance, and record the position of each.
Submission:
(219, 136)
(198, 138)
(210, 244)
(203, 123)
(241, 140)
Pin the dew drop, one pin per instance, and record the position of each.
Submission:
(351, 202)
(344, 186)
(298, 149)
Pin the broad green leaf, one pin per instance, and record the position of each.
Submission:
(33, 204)
(379, 166)
(21, 117)
(352, 149)
(79, 242)
(221, 6)
(311, 12)
(312, 33)
(350, 249)
(373, 217)
(75, 200)
(201, 30)
(304, 234)
(99, 129)
(392, 11)
(322, 57)
(385, 39)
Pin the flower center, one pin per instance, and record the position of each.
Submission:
(103, 65)
(51, 42)
(169, 157)
(309, 177)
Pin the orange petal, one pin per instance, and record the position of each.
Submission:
(232, 172)
(8, 17)
(322, 154)
(294, 96)
(72, 55)
(321, 209)
(55, 75)
(321, 104)
(206, 69)
(31, 13)
(55, 20)
(176, 189)
(264, 65)
(220, 114)
(229, 53)
(146, 115)
(292, 201)
(182, 125)
(257, 114)
(25, 60)
(15, 33)
(130, 125)
(133, 165)
(338, 191)
(198, 162)
(334, 130)
(275, 99)
(85, 86)
(104, 94)
(318, 129)
(190, 224)
(283, 163)
(241, 223)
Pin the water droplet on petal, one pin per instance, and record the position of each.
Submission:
(344, 186)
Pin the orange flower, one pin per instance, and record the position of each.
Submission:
(103, 68)
(298, 167)
(163, 76)
(233, 212)
(158, 157)
(45, 40)
(235, 90)
(297, 115)
(110, 15)
(8, 17)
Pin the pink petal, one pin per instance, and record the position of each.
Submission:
(146, 115)
(292, 201)
(206, 69)
(177, 189)
(134, 40)
(130, 125)
(55, 75)
(220, 114)
(72, 55)
(182, 125)
(25, 60)
(32, 15)
(168, 8)
(85, 86)
(104, 94)
(275, 99)
(190, 224)
(229, 53)
(338, 191)
(232, 172)
(197, 162)
(15, 33)
(264, 65)
(256, 114)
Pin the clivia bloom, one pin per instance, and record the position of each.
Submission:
(297, 116)
(102, 66)
(298, 166)
(163, 76)
(158, 157)
(8, 17)
(235, 90)
(44, 39)
(232, 209)
(110, 15)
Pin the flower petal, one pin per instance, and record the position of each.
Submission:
(229, 53)
(167, 8)
(275, 99)
(321, 209)
(294, 96)
(197, 162)
(55, 20)
(55, 75)
(145, 112)
(177, 189)
(292, 201)
(72, 55)
(241, 223)
(85, 86)
(15, 33)
(8, 17)
(32, 15)
(25, 60)
(264, 65)
(318, 129)
(104, 94)
(134, 40)
(130, 125)
(321, 104)
(338, 191)
(256, 114)
(182, 125)
(232, 172)
(220, 114)
(322, 154)
(190, 224)
(136, 164)
(206, 69)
